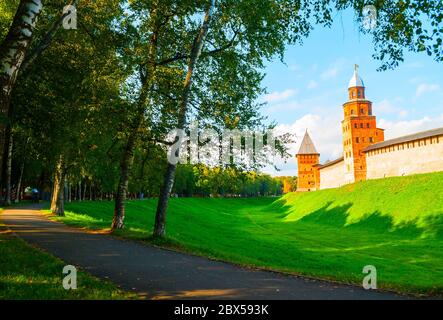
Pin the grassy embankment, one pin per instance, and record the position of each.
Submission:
(395, 224)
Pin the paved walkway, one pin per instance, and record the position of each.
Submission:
(162, 274)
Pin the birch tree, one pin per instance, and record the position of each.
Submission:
(160, 216)
(81, 75)
(28, 57)
(12, 54)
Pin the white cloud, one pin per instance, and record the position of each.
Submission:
(387, 106)
(285, 106)
(329, 73)
(325, 131)
(384, 106)
(294, 67)
(414, 65)
(312, 84)
(394, 129)
(333, 70)
(279, 95)
(426, 88)
(415, 80)
(403, 113)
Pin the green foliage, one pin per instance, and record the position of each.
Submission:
(69, 101)
(7, 12)
(201, 180)
(406, 25)
(291, 183)
(394, 224)
(149, 167)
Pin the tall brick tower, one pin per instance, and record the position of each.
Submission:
(359, 129)
(307, 159)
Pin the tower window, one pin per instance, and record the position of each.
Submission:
(352, 111)
(361, 125)
(367, 125)
(357, 140)
(359, 94)
(355, 126)
(362, 111)
(371, 139)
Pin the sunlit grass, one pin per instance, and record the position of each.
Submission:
(394, 224)
(29, 273)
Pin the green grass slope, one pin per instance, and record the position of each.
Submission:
(395, 224)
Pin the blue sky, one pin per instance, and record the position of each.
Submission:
(308, 90)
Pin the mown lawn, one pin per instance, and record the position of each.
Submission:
(395, 224)
(29, 273)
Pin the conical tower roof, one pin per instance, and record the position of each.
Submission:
(307, 146)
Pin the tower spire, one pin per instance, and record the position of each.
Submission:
(356, 81)
(307, 146)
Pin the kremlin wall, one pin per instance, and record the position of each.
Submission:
(366, 154)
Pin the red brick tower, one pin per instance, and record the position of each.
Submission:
(359, 129)
(307, 159)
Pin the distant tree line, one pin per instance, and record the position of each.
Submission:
(201, 180)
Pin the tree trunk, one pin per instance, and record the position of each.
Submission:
(160, 216)
(19, 183)
(128, 153)
(8, 165)
(12, 53)
(125, 168)
(46, 40)
(57, 202)
(22, 169)
(79, 191)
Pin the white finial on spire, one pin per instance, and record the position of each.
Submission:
(356, 81)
